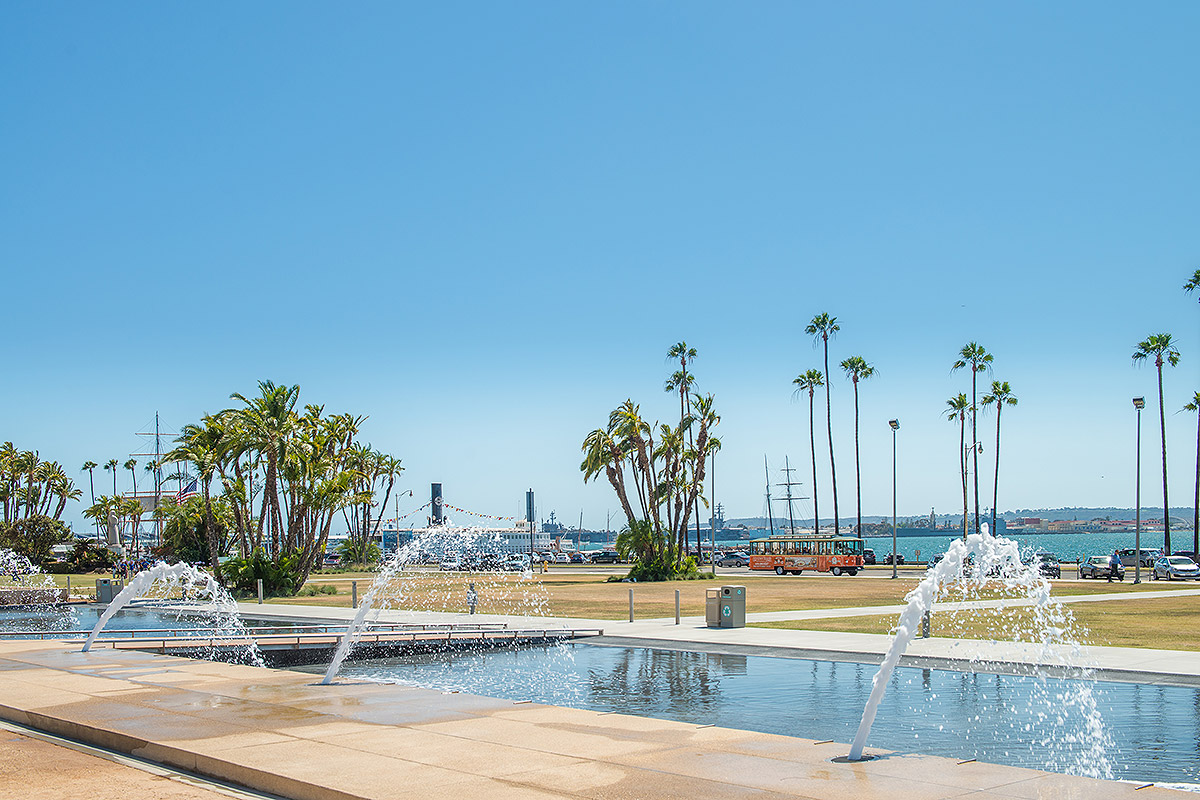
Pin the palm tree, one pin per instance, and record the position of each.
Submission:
(88, 466)
(1162, 348)
(131, 465)
(1002, 396)
(266, 422)
(682, 382)
(822, 327)
(1195, 406)
(1193, 282)
(973, 355)
(857, 369)
(956, 409)
(808, 382)
(111, 466)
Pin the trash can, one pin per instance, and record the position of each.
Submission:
(107, 589)
(733, 607)
(712, 608)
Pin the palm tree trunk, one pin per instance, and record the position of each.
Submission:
(812, 447)
(975, 446)
(996, 479)
(1162, 422)
(962, 465)
(829, 428)
(1196, 499)
(857, 468)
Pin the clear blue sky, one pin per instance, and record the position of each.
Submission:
(483, 224)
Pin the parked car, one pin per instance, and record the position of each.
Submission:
(868, 556)
(450, 563)
(1187, 554)
(606, 557)
(561, 558)
(1098, 567)
(933, 562)
(1047, 564)
(516, 562)
(577, 558)
(1172, 568)
(898, 556)
(733, 560)
(1149, 556)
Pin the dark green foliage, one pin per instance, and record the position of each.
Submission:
(662, 569)
(34, 537)
(184, 536)
(90, 557)
(357, 551)
(241, 575)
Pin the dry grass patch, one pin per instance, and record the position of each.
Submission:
(1164, 623)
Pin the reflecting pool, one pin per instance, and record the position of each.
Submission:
(1005, 719)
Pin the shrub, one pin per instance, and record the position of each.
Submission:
(242, 574)
(315, 589)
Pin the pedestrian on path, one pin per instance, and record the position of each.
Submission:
(1114, 565)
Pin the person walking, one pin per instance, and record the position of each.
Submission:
(1114, 565)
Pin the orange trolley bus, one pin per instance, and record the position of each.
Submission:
(794, 554)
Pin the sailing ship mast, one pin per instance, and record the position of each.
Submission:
(770, 515)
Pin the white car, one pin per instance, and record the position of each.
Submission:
(1171, 568)
(562, 558)
(451, 563)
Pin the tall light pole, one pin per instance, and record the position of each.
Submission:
(895, 423)
(1139, 403)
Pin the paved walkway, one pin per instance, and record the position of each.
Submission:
(276, 731)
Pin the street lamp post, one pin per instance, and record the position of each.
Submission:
(1139, 403)
(895, 423)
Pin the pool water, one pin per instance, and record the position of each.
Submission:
(81, 619)
(1144, 733)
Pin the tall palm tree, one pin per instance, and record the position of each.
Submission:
(956, 410)
(131, 465)
(973, 355)
(1195, 406)
(822, 327)
(266, 422)
(857, 369)
(808, 382)
(1002, 396)
(1162, 348)
(111, 466)
(88, 466)
(682, 382)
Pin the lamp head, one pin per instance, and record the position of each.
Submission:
(895, 423)
(1139, 403)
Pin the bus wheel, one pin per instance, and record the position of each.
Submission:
(852, 572)
(779, 570)
(797, 572)
(836, 571)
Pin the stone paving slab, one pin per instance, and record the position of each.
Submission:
(275, 731)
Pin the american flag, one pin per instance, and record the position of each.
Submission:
(186, 492)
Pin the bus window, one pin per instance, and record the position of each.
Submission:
(775, 548)
(756, 548)
(823, 548)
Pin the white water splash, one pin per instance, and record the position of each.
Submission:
(399, 587)
(175, 583)
(1066, 723)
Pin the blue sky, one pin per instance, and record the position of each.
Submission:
(483, 225)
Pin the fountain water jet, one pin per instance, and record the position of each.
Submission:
(983, 560)
(192, 583)
(415, 590)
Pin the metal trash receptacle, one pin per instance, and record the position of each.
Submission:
(712, 608)
(107, 589)
(733, 607)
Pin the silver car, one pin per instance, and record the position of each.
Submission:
(1171, 568)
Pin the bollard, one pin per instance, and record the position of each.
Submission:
(260, 593)
(925, 625)
(472, 597)
(354, 594)
(631, 605)
(68, 587)
(676, 606)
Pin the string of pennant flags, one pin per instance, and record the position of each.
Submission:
(452, 507)
(477, 514)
